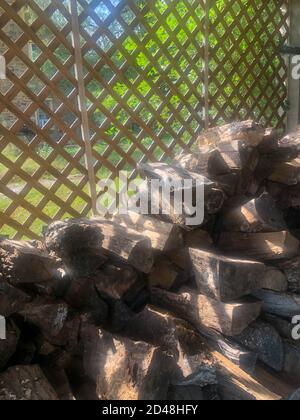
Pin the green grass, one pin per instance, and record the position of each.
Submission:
(34, 197)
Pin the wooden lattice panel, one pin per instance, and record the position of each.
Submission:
(144, 63)
(42, 170)
(152, 71)
(247, 77)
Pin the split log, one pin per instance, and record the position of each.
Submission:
(21, 263)
(12, 299)
(201, 311)
(264, 340)
(248, 131)
(292, 362)
(207, 162)
(282, 326)
(236, 385)
(8, 346)
(198, 238)
(260, 246)
(54, 320)
(163, 236)
(124, 369)
(76, 240)
(284, 305)
(229, 183)
(291, 269)
(167, 275)
(225, 279)
(82, 295)
(274, 280)
(258, 215)
(175, 179)
(26, 383)
(60, 383)
(287, 173)
(162, 329)
(281, 149)
(238, 156)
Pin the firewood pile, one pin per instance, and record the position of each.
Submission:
(149, 307)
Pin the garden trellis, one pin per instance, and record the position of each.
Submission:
(150, 76)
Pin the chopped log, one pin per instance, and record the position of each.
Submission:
(198, 238)
(258, 215)
(166, 275)
(201, 311)
(260, 246)
(12, 299)
(236, 353)
(118, 281)
(238, 156)
(282, 326)
(225, 279)
(284, 305)
(229, 183)
(291, 269)
(206, 162)
(25, 383)
(247, 131)
(54, 320)
(76, 239)
(236, 385)
(21, 263)
(292, 362)
(82, 294)
(181, 258)
(8, 346)
(163, 236)
(60, 383)
(175, 179)
(274, 280)
(287, 173)
(124, 369)
(162, 329)
(281, 149)
(264, 340)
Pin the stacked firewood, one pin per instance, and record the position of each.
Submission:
(150, 307)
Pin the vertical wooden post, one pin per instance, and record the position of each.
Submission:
(206, 65)
(294, 85)
(85, 129)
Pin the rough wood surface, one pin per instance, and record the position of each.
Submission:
(163, 236)
(258, 215)
(206, 162)
(283, 326)
(25, 383)
(263, 339)
(54, 320)
(198, 238)
(76, 239)
(230, 319)
(12, 299)
(21, 263)
(225, 279)
(292, 361)
(281, 149)
(8, 346)
(275, 280)
(124, 369)
(247, 131)
(168, 175)
(287, 173)
(166, 275)
(260, 246)
(235, 384)
(291, 269)
(285, 305)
